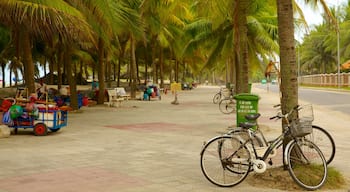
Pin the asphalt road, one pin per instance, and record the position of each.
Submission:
(332, 99)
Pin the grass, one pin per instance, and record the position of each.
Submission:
(278, 178)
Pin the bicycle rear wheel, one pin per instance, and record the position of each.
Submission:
(216, 98)
(324, 141)
(227, 106)
(224, 161)
(306, 164)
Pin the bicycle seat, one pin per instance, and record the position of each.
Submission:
(247, 125)
(252, 117)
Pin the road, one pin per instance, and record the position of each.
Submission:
(332, 99)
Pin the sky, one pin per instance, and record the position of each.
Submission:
(314, 17)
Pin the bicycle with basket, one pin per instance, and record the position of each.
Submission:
(226, 160)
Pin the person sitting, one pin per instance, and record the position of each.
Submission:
(41, 88)
(94, 85)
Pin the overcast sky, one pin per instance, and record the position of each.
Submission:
(315, 17)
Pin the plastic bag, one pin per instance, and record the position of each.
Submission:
(6, 119)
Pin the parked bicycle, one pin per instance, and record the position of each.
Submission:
(318, 135)
(222, 94)
(225, 99)
(227, 105)
(226, 160)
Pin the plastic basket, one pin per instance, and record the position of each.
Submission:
(301, 128)
(306, 113)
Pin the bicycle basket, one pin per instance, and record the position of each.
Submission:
(306, 113)
(226, 93)
(299, 128)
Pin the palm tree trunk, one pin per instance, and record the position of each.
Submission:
(161, 68)
(52, 63)
(3, 65)
(71, 79)
(101, 71)
(108, 70)
(28, 61)
(121, 60)
(289, 82)
(59, 66)
(133, 77)
(241, 46)
(154, 62)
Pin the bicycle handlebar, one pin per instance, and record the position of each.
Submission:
(280, 115)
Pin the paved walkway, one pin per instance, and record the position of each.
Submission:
(144, 146)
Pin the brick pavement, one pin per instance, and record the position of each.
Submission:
(144, 146)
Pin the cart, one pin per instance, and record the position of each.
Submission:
(52, 120)
(43, 120)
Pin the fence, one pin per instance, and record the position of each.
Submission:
(326, 79)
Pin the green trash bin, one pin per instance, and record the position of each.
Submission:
(246, 104)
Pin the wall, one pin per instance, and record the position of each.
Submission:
(326, 79)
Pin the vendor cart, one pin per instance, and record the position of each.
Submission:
(46, 120)
(44, 117)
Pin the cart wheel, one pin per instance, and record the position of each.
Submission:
(54, 130)
(40, 129)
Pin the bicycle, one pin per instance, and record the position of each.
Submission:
(227, 105)
(318, 135)
(226, 160)
(322, 139)
(223, 93)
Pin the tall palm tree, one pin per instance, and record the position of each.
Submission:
(261, 38)
(4, 41)
(288, 67)
(42, 19)
(108, 18)
(165, 21)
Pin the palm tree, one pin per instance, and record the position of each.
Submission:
(288, 67)
(261, 38)
(109, 18)
(165, 21)
(41, 20)
(317, 51)
(4, 41)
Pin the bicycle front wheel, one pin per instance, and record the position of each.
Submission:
(224, 161)
(306, 164)
(324, 141)
(227, 106)
(217, 98)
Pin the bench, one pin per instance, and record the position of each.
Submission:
(113, 98)
(122, 93)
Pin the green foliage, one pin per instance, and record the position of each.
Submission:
(4, 37)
